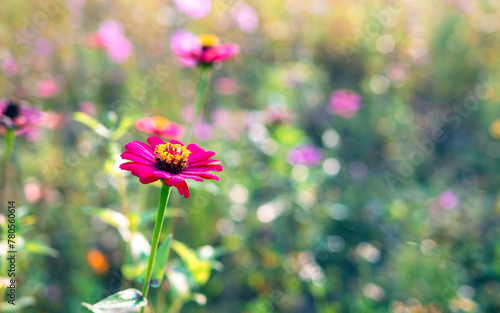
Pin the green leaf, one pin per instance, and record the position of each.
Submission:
(122, 128)
(160, 261)
(92, 124)
(110, 217)
(133, 271)
(198, 269)
(20, 304)
(129, 298)
(40, 248)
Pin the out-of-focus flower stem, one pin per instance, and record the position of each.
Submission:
(198, 100)
(9, 144)
(165, 192)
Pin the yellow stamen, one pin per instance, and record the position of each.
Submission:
(172, 153)
(209, 40)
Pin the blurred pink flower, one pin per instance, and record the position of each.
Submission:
(308, 155)
(54, 120)
(221, 117)
(202, 130)
(227, 124)
(203, 49)
(47, 88)
(88, 108)
(448, 200)
(32, 191)
(22, 118)
(245, 17)
(160, 126)
(276, 115)
(187, 113)
(226, 86)
(111, 37)
(194, 8)
(345, 103)
(9, 66)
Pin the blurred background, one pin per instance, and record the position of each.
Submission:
(360, 141)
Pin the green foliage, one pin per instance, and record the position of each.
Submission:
(125, 299)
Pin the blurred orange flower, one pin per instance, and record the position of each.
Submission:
(98, 261)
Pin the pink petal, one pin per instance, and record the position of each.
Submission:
(144, 172)
(141, 149)
(205, 175)
(205, 168)
(200, 156)
(194, 8)
(136, 158)
(194, 148)
(154, 141)
(205, 162)
(183, 189)
(223, 52)
(170, 179)
(189, 176)
(188, 61)
(176, 142)
(186, 47)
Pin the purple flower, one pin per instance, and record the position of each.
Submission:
(194, 8)
(448, 200)
(43, 47)
(245, 17)
(345, 103)
(308, 155)
(22, 118)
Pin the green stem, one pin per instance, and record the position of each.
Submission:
(198, 100)
(176, 306)
(9, 144)
(165, 192)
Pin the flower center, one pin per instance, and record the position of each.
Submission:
(171, 158)
(160, 122)
(208, 40)
(12, 110)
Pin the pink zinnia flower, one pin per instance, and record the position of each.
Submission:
(47, 88)
(160, 126)
(345, 103)
(203, 49)
(194, 8)
(111, 37)
(308, 155)
(23, 119)
(171, 162)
